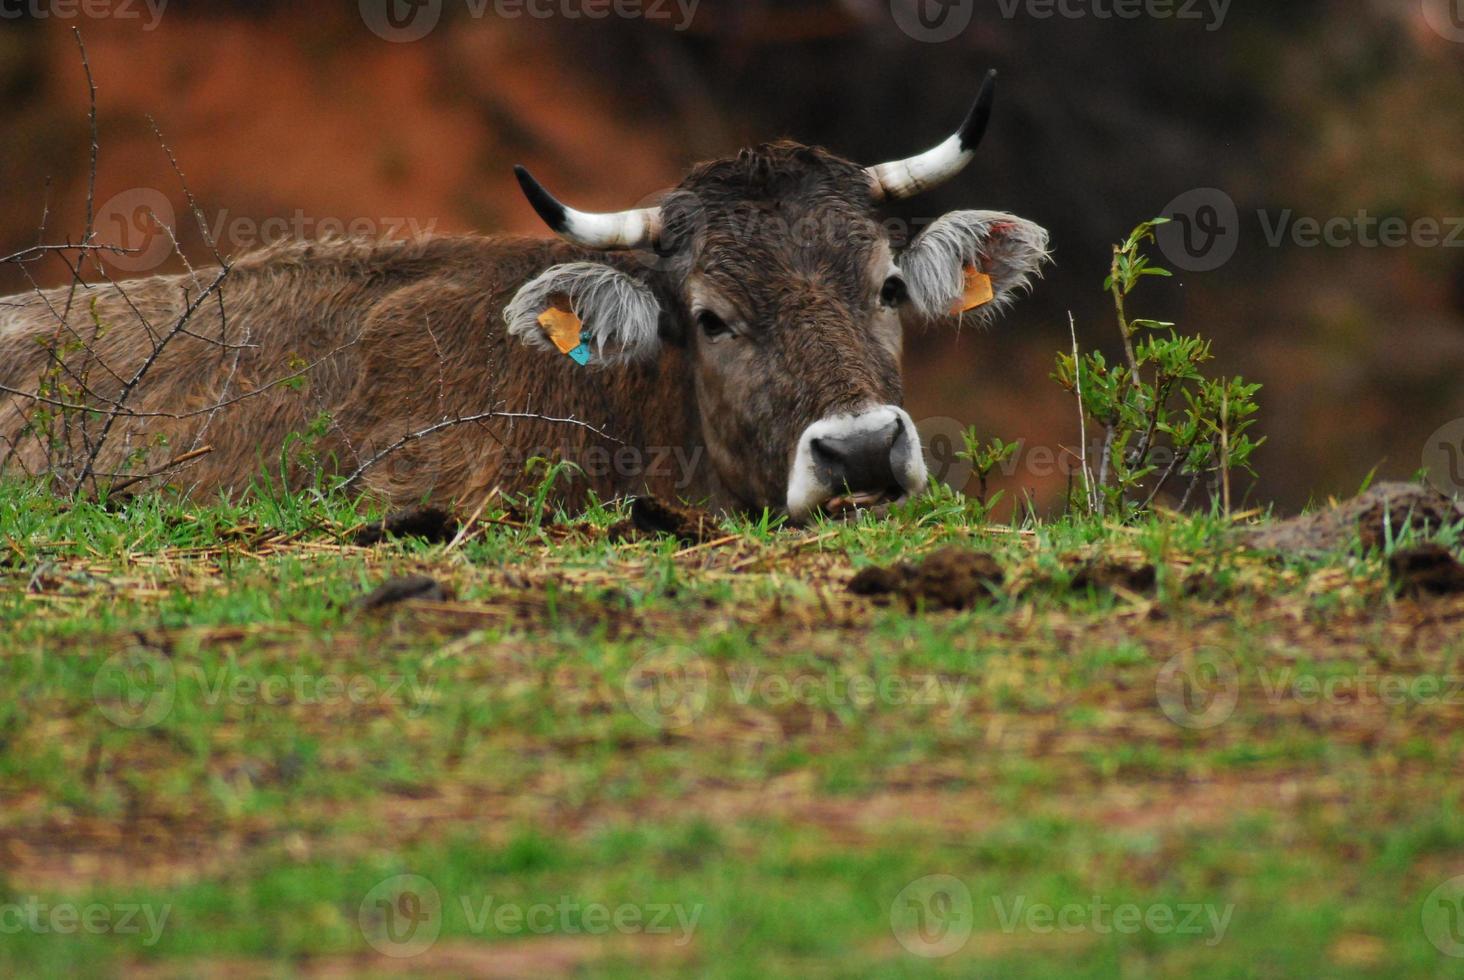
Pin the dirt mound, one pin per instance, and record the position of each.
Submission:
(951, 578)
(1376, 516)
(431, 524)
(402, 589)
(1427, 570)
(650, 517)
(1105, 575)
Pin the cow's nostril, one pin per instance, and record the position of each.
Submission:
(827, 452)
(858, 461)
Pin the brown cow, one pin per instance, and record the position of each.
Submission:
(742, 340)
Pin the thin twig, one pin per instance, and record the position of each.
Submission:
(411, 437)
(1082, 416)
(187, 457)
(1225, 449)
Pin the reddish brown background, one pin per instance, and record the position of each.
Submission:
(1323, 108)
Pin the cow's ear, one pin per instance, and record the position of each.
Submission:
(942, 268)
(618, 318)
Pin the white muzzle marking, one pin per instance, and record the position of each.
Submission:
(812, 482)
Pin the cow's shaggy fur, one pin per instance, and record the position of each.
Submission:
(401, 336)
(374, 341)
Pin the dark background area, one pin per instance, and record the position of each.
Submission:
(1321, 109)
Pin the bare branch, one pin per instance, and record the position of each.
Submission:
(172, 464)
(465, 420)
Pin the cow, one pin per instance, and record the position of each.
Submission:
(736, 345)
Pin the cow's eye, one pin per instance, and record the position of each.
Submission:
(712, 326)
(894, 292)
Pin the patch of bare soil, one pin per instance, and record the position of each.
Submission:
(650, 517)
(524, 959)
(403, 588)
(1107, 575)
(1430, 569)
(951, 578)
(1374, 517)
(431, 524)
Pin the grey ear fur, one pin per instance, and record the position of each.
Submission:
(1009, 249)
(621, 316)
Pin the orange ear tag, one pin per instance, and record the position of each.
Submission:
(977, 292)
(564, 329)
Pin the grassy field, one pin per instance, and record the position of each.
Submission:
(613, 758)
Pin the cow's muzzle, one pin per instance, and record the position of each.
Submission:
(851, 461)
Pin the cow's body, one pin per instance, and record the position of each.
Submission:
(744, 341)
(399, 336)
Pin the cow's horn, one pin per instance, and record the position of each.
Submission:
(622, 229)
(900, 179)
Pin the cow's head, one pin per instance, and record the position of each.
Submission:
(773, 268)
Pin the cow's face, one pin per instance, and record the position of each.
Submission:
(791, 299)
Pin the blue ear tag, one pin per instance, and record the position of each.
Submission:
(580, 355)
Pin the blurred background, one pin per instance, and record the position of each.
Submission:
(403, 116)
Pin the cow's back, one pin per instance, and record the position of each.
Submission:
(308, 355)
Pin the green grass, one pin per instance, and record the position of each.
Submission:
(753, 769)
